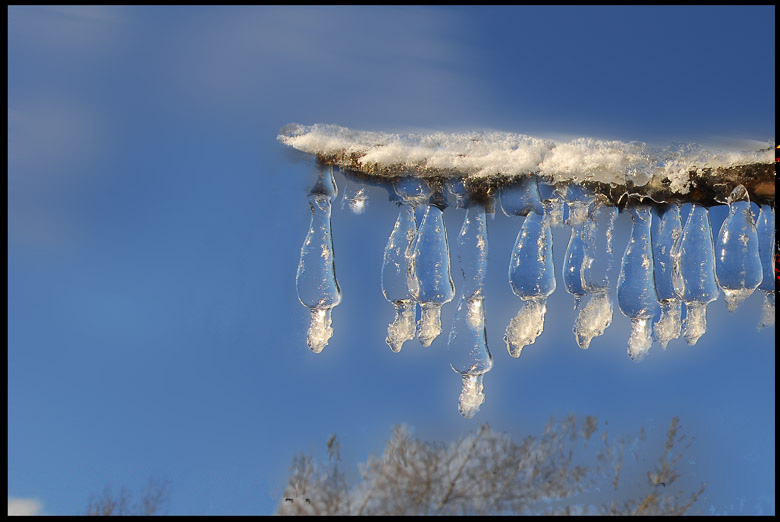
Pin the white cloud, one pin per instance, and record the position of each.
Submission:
(23, 506)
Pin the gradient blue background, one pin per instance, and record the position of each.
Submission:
(155, 226)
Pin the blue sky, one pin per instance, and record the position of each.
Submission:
(155, 226)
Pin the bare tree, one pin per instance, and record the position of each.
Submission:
(153, 501)
(488, 473)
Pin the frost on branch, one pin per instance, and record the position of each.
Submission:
(541, 184)
(564, 470)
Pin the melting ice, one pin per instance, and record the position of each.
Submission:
(395, 273)
(596, 315)
(431, 283)
(467, 345)
(693, 273)
(532, 278)
(737, 262)
(636, 287)
(668, 232)
(316, 278)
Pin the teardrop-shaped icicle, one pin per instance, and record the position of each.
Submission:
(636, 288)
(693, 275)
(430, 268)
(395, 274)
(765, 230)
(737, 262)
(521, 197)
(531, 271)
(595, 316)
(668, 232)
(467, 345)
(316, 278)
(532, 278)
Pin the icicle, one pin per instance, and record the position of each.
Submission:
(737, 263)
(693, 275)
(579, 201)
(532, 277)
(395, 272)
(467, 345)
(765, 230)
(316, 278)
(635, 288)
(596, 315)
(431, 283)
(669, 325)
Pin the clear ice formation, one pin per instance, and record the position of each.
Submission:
(430, 283)
(532, 278)
(765, 230)
(737, 262)
(578, 201)
(395, 273)
(467, 345)
(693, 274)
(316, 278)
(595, 316)
(667, 233)
(587, 262)
(543, 181)
(636, 293)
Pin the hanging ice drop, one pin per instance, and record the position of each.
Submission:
(693, 259)
(532, 278)
(431, 283)
(765, 230)
(595, 316)
(669, 325)
(737, 262)
(635, 287)
(316, 278)
(395, 272)
(467, 345)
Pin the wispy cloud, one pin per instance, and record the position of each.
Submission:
(383, 63)
(24, 506)
(76, 31)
